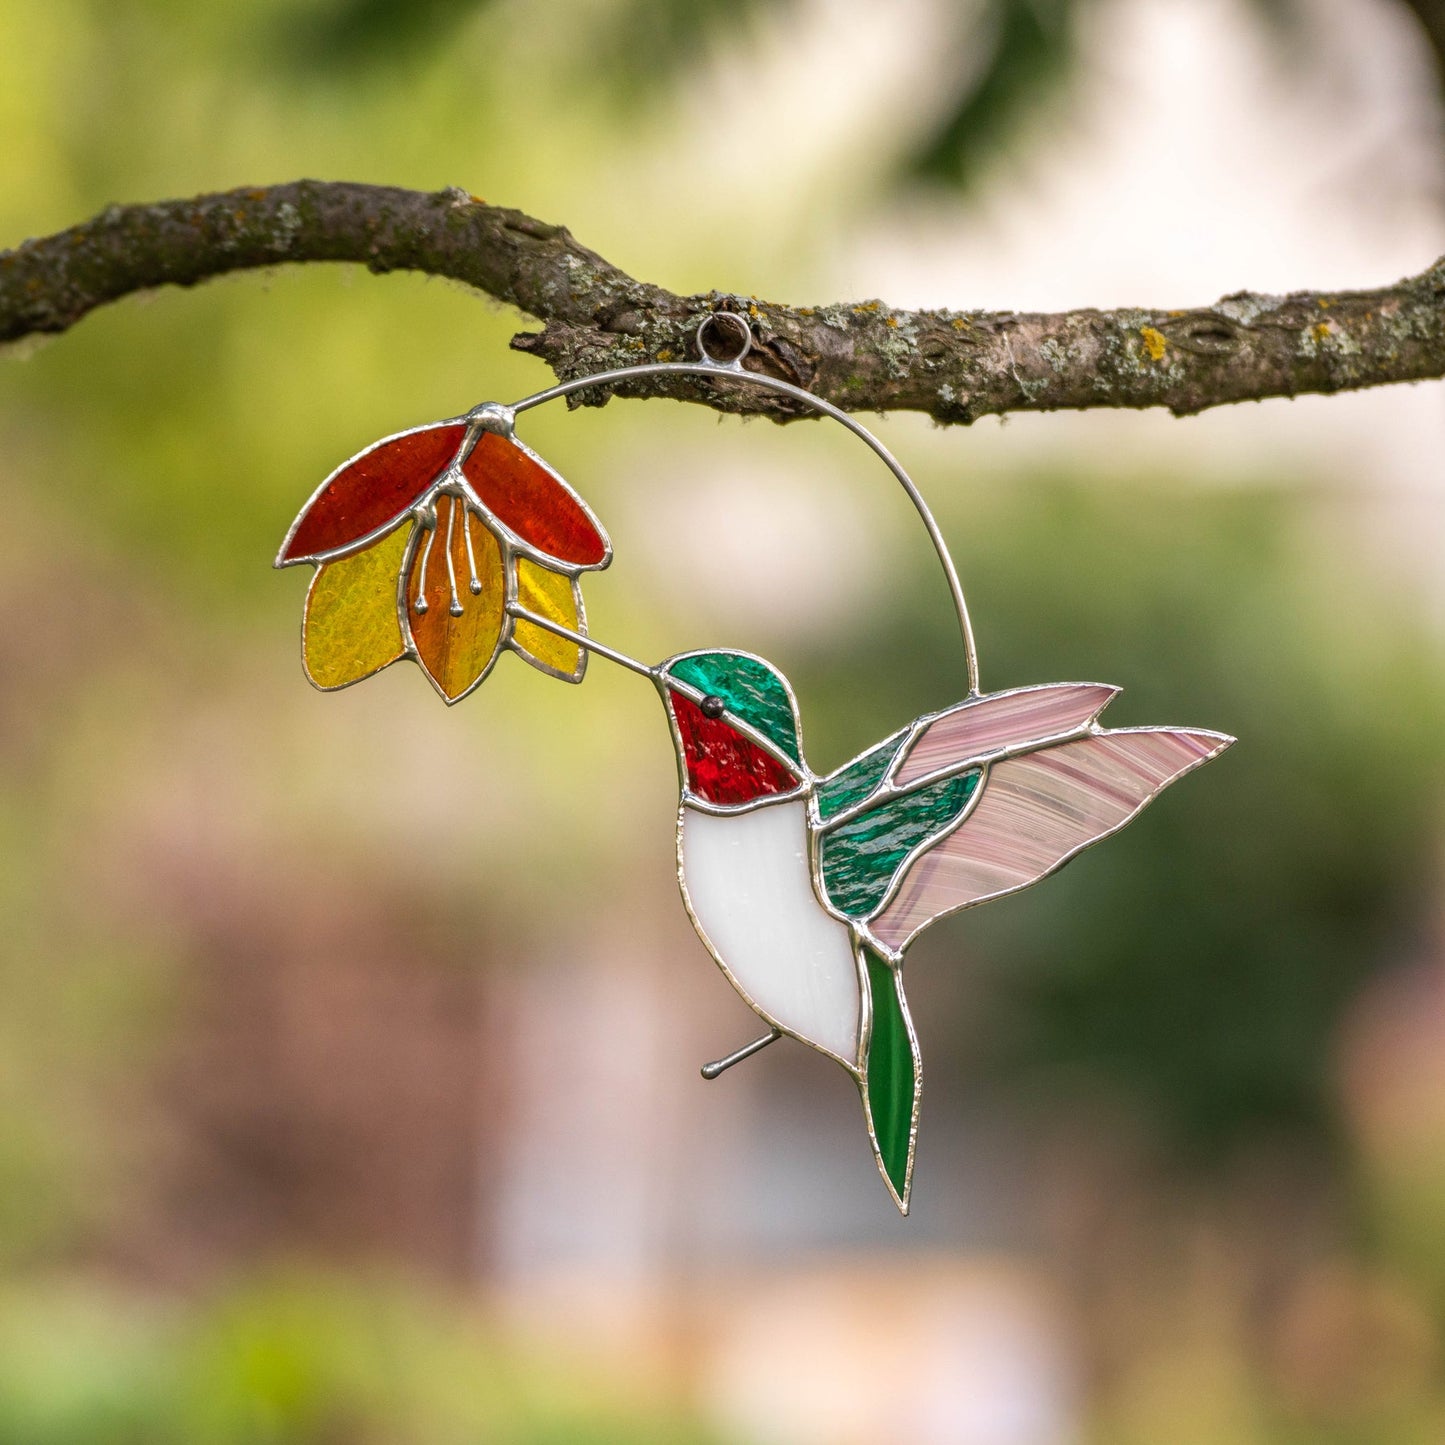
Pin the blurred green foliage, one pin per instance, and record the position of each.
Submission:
(1005, 71)
(352, 33)
(1011, 62)
(294, 1359)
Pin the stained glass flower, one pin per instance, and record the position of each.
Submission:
(425, 542)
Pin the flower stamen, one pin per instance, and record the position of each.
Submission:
(420, 605)
(476, 582)
(456, 604)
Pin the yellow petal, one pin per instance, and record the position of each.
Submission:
(559, 599)
(351, 629)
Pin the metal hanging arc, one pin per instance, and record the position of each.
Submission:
(732, 368)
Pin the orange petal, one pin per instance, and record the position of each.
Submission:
(456, 647)
(350, 629)
(559, 599)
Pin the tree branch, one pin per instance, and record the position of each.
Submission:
(954, 365)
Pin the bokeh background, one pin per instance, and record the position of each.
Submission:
(349, 1044)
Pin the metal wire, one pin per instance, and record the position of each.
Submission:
(710, 366)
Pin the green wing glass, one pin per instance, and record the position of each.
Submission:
(452, 543)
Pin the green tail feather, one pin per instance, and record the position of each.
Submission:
(892, 1077)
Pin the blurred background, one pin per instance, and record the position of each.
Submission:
(349, 1044)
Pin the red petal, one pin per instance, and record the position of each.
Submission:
(371, 491)
(526, 495)
(722, 765)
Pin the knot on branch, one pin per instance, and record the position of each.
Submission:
(1204, 333)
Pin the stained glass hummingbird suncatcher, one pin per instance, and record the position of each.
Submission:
(452, 543)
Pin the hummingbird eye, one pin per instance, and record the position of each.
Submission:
(712, 706)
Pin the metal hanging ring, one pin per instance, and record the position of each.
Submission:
(710, 323)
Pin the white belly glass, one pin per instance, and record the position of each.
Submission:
(748, 884)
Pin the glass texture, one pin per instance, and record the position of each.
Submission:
(748, 884)
(379, 485)
(854, 781)
(457, 651)
(753, 690)
(1003, 719)
(549, 594)
(351, 626)
(860, 858)
(534, 502)
(892, 1072)
(1036, 812)
(722, 765)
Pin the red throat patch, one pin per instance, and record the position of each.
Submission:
(723, 766)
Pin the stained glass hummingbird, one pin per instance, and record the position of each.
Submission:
(808, 890)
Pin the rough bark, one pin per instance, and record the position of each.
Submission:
(956, 366)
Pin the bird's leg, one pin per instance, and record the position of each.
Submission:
(712, 1070)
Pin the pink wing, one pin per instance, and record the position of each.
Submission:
(1035, 812)
(1022, 718)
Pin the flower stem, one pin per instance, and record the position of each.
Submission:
(610, 653)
